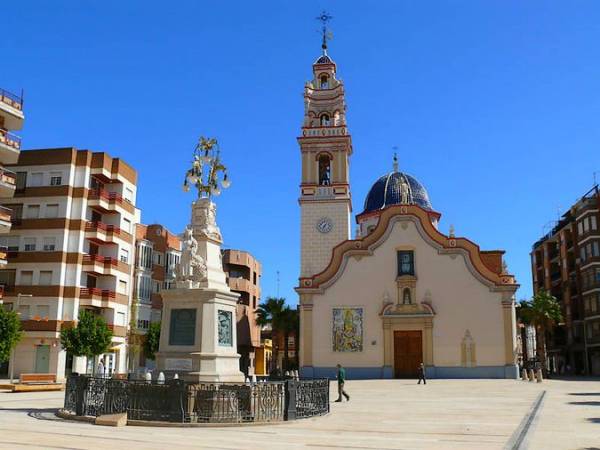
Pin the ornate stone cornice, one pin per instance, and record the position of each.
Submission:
(444, 244)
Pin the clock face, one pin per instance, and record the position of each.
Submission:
(324, 225)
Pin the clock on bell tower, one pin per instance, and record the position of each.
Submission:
(325, 146)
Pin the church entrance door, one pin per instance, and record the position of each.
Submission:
(408, 353)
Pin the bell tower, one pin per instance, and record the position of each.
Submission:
(325, 147)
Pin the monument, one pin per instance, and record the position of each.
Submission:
(198, 332)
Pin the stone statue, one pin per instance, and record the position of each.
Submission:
(205, 220)
(192, 266)
(404, 192)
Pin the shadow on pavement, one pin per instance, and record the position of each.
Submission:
(585, 394)
(585, 403)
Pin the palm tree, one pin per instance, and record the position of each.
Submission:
(289, 325)
(543, 312)
(271, 312)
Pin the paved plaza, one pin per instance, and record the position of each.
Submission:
(382, 414)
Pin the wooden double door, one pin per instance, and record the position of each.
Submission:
(408, 353)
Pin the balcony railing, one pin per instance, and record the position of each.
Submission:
(11, 99)
(105, 195)
(90, 292)
(8, 176)
(10, 139)
(106, 260)
(95, 226)
(5, 214)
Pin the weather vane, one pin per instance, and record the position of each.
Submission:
(324, 17)
(206, 166)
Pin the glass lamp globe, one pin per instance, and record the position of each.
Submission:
(193, 179)
(226, 183)
(216, 192)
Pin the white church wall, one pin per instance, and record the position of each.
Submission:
(460, 300)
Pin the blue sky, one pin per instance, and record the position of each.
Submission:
(494, 105)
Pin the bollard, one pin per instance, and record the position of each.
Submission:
(176, 377)
(253, 378)
(531, 375)
(161, 378)
(148, 377)
(540, 377)
(524, 375)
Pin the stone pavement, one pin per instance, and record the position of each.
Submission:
(382, 414)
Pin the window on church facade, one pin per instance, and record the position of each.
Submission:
(406, 263)
(324, 170)
(325, 120)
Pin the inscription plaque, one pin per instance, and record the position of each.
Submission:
(182, 329)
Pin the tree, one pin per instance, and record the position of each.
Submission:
(10, 333)
(91, 337)
(542, 312)
(283, 321)
(152, 340)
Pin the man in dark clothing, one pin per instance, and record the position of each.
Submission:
(341, 379)
(421, 372)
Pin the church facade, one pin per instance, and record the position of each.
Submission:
(401, 292)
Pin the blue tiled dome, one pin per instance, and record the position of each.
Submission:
(324, 59)
(386, 192)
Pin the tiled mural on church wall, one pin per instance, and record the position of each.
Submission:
(347, 329)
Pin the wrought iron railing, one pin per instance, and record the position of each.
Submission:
(9, 139)
(185, 402)
(14, 100)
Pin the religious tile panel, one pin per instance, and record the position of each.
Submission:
(225, 328)
(347, 328)
(182, 330)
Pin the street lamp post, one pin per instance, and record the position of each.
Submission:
(205, 170)
(12, 352)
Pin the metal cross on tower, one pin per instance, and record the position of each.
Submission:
(324, 17)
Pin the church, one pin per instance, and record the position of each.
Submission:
(402, 292)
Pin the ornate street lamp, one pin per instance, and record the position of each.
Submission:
(205, 170)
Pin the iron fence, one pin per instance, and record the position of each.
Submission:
(184, 402)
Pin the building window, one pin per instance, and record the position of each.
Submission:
(406, 263)
(128, 195)
(127, 225)
(26, 278)
(52, 210)
(55, 179)
(43, 311)
(45, 278)
(36, 179)
(49, 244)
(24, 312)
(29, 244)
(123, 287)
(324, 82)
(124, 255)
(325, 121)
(21, 182)
(324, 170)
(33, 211)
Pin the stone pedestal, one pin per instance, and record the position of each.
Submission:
(198, 333)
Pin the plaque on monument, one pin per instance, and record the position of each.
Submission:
(183, 364)
(183, 327)
(225, 330)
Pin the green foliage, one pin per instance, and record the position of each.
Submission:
(91, 336)
(543, 310)
(152, 340)
(10, 333)
(283, 320)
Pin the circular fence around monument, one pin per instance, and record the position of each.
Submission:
(177, 401)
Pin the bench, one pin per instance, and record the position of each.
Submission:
(37, 378)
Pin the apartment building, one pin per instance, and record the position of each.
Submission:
(70, 248)
(243, 276)
(566, 263)
(11, 118)
(157, 253)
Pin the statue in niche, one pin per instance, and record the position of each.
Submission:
(406, 297)
(468, 350)
(192, 266)
(404, 191)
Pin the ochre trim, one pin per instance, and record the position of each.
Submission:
(361, 247)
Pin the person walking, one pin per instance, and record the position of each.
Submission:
(341, 379)
(421, 372)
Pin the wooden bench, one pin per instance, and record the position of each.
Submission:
(37, 378)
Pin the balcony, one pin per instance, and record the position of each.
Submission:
(11, 108)
(3, 256)
(8, 182)
(242, 285)
(103, 265)
(10, 147)
(101, 233)
(109, 202)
